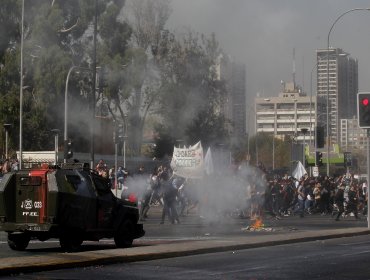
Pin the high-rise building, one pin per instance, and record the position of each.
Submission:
(343, 87)
(234, 107)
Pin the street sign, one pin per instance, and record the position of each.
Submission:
(315, 171)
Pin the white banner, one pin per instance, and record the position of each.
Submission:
(188, 162)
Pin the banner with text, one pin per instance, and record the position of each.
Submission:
(188, 162)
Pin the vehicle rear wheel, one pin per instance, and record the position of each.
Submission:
(70, 243)
(123, 236)
(18, 241)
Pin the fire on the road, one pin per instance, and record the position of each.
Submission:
(258, 225)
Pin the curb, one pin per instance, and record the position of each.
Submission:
(18, 265)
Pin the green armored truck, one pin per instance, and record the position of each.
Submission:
(71, 203)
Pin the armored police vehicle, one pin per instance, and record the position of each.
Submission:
(71, 203)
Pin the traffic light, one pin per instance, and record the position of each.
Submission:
(320, 138)
(118, 133)
(68, 149)
(318, 158)
(363, 109)
(347, 159)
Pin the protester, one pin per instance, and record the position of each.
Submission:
(301, 197)
(101, 168)
(6, 166)
(112, 177)
(339, 200)
(352, 201)
(151, 190)
(120, 177)
(170, 192)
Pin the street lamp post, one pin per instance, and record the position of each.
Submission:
(304, 131)
(7, 128)
(124, 139)
(273, 136)
(21, 94)
(92, 128)
(311, 94)
(65, 138)
(327, 76)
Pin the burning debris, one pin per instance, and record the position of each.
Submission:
(258, 225)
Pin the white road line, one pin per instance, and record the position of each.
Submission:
(356, 253)
(238, 270)
(355, 243)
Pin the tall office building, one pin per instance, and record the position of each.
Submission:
(343, 87)
(234, 107)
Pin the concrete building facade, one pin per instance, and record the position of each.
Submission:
(343, 87)
(289, 113)
(234, 107)
(352, 137)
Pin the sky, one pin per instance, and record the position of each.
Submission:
(263, 33)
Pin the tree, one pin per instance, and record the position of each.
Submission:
(147, 19)
(56, 37)
(192, 96)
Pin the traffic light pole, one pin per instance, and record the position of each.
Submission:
(367, 177)
(363, 117)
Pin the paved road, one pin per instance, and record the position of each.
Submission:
(193, 236)
(340, 258)
(193, 227)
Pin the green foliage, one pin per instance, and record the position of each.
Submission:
(164, 143)
(56, 37)
(9, 20)
(261, 150)
(192, 96)
(144, 71)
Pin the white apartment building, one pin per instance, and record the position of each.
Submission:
(289, 113)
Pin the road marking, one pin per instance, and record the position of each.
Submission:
(239, 270)
(356, 253)
(355, 243)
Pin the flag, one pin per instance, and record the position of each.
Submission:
(208, 162)
(299, 171)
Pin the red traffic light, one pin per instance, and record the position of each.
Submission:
(363, 109)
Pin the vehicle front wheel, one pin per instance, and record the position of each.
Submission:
(124, 235)
(18, 241)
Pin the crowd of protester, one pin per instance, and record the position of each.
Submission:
(8, 165)
(338, 196)
(245, 192)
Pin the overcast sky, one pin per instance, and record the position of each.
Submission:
(263, 33)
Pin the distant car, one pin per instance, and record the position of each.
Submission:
(71, 203)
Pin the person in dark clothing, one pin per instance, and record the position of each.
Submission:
(339, 201)
(276, 197)
(352, 201)
(268, 199)
(151, 191)
(170, 192)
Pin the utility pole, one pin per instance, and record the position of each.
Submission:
(92, 142)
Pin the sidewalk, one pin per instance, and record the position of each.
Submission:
(175, 249)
